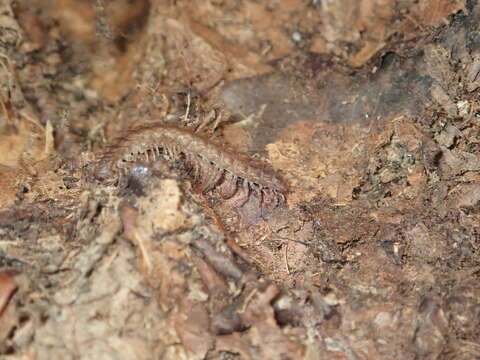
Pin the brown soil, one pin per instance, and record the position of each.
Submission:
(370, 112)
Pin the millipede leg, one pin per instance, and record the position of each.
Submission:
(246, 189)
(229, 185)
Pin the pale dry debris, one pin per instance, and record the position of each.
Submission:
(110, 318)
(161, 210)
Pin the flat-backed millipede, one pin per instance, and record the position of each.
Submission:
(211, 164)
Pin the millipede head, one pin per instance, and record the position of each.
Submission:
(101, 172)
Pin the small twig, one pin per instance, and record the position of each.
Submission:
(293, 240)
(247, 301)
(187, 111)
(49, 139)
(220, 262)
(286, 259)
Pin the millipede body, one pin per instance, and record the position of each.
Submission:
(212, 164)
